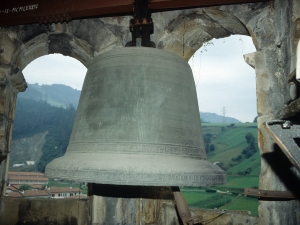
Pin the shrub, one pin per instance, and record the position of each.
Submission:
(211, 190)
(24, 187)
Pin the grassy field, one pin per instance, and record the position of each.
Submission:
(241, 182)
(229, 201)
(243, 203)
(222, 125)
(66, 183)
(229, 142)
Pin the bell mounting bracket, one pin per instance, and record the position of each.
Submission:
(141, 26)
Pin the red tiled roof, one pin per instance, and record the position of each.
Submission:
(11, 188)
(25, 174)
(63, 190)
(29, 193)
(32, 193)
(17, 186)
(36, 186)
(15, 194)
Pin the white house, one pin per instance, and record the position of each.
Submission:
(63, 192)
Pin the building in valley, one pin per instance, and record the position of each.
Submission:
(63, 192)
(30, 178)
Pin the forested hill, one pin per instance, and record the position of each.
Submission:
(35, 119)
(215, 118)
(55, 94)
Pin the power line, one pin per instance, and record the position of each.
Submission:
(224, 113)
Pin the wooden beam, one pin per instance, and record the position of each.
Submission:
(19, 12)
(162, 5)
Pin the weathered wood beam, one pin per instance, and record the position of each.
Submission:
(162, 5)
(19, 12)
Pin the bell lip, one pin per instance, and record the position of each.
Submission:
(69, 167)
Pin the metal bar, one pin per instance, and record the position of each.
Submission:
(286, 134)
(183, 208)
(31, 11)
(268, 194)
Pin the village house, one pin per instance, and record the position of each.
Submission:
(36, 181)
(29, 194)
(30, 178)
(51, 192)
(11, 188)
(63, 192)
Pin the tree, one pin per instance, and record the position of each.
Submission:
(25, 187)
(212, 147)
(250, 138)
(206, 139)
(251, 149)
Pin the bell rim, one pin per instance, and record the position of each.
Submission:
(75, 167)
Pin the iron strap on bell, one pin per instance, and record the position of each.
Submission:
(137, 123)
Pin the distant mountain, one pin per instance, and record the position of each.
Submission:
(215, 118)
(58, 95)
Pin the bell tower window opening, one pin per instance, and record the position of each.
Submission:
(54, 84)
(226, 90)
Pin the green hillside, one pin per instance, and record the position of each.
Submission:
(43, 122)
(229, 142)
(231, 152)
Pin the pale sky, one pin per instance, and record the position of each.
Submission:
(223, 78)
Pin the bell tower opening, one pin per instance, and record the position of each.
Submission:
(227, 103)
(55, 69)
(223, 79)
(44, 119)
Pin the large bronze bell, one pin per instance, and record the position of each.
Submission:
(137, 123)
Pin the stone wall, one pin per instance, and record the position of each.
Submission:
(44, 211)
(15, 211)
(273, 26)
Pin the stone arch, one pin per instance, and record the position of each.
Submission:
(186, 33)
(272, 25)
(78, 39)
(44, 44)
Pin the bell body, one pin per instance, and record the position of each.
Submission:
(137, 123)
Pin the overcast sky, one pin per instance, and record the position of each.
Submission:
(223, 79)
